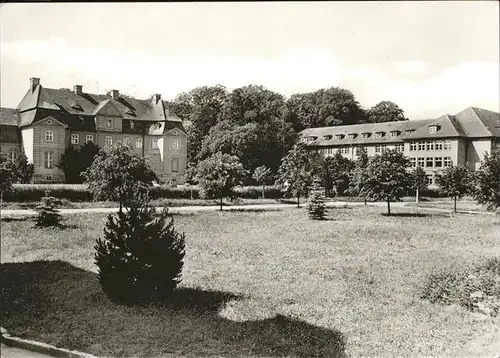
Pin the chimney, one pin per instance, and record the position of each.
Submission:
(34, 82)
(156, 98)
(114, 94)
(78, 89)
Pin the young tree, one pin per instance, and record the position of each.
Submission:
(48, 215)
(296, 171)
(115, 174)
(387, 177)
(218, 175)
(140, 257)
(488, 180)
(358, 175)
(419, 182)
(262, 175)
(316, 206)
(455, 182)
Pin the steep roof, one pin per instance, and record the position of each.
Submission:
(490, 119)
(447, 128)
(8, 117)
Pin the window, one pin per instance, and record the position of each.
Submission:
(358, 150)
(126, 141)
(12, 154)
(175, 144)
(380, 148)
(327, 137)
(438, 146)
(352, 136)
(49, 135)
(413, 162)
(413, 146)
(339, 136)
(429, 146)
(379, 134)
(394, 134)
(330, 150)
(421, 145)
(365, 135)
(109, 123)
(48, 177)
(175, 165)
(154, 143)
(89, 138)
(420, 162)
(49, 160)
(433, 129)
(138, 143)
(429, 179)
(344, 150)
(49, 121)
(154, 167)
(447, 162)
(409, 131)
(438, 162)
(447, 145)
(108, 141)
(75, 138)
(429, 162)
(400, 147)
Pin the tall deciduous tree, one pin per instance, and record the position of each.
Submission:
(387, 177)
(324, 107)
(455, 182)
(116, 174)
(218, 174)
(418, 182)
(385, 111)
(488, 180)
(336, 173)
(75, 160)
(201, 108)
(263, 175)
(297, 171)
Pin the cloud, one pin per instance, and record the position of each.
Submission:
(410, 67)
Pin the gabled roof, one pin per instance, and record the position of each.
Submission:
(478, 122)
(447, 128)
(490, 119)
(9, 117)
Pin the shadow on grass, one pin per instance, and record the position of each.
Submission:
(60, 304)
(11, 219)
(252, 210)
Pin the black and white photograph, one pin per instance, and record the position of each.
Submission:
(250, 179)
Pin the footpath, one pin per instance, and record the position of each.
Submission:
(182, 209)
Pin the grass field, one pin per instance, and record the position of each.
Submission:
(263, 283)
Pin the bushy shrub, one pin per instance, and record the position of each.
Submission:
(140, 257)
(475, 288)
(35, 192)
(48, 215)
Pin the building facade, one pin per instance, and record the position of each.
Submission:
(47, 121)
(432, 144)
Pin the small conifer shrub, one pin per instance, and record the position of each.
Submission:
(316, 206)
(48, 215)
(140, 257)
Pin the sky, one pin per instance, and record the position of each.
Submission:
(430, 58)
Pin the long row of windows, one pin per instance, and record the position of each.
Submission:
(431, 162)
(108, 140)
(430, 146)
(346, 150)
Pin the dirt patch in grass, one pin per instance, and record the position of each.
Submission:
(60, 304)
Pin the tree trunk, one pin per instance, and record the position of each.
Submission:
(191, 193)
(388, 206)
(417, 196)
(263, 190)
(455, 204)
(298, 200)
(1, 200)
(221, 203)
(121, 205)
(365, 200)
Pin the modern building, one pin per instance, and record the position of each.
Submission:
(47, 121)
(432, 144)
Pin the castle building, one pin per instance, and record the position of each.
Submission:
(432, 144)
(47, 121)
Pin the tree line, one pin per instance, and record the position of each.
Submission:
(260, 126)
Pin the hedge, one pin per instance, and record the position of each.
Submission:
(79, 192)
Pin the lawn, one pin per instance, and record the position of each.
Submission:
(261, 283)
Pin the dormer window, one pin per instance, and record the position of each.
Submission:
(409, 131)
(394, 134)
(365, 135)
(352, 135)
(434, 128)
(379, 134)
(77, 107)
(130, 112)
(327, 137)
(339, 136)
